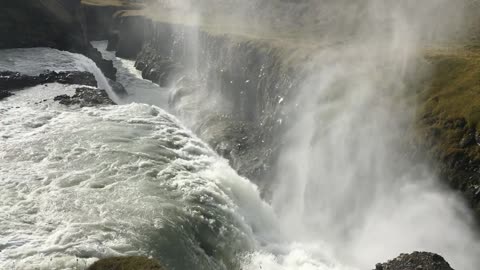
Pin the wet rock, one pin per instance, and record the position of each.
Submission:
(113, 38)
(46, 23)
(126, 263)
(118, 88)
(468, 139)
(5, 94)
(132, 33)
(106, 66)
(59, 24)
(415, 261)
(14, 80)
(86, 97)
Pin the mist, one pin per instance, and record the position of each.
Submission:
(346, 182)
(346, 175)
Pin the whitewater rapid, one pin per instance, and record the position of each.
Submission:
(118, 180)
(80, 184)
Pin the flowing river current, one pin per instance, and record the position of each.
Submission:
(78, 184)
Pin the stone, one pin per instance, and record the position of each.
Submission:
(415, 261)
(86, 97)
(10, 80)
(5, 94)
(118, 88)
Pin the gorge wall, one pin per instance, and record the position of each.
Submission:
(49, 23)
(241, 86)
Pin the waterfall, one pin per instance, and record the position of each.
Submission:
(80, 184)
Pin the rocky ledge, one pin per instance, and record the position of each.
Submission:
(86, 97)
(10, 80)
(415, 261)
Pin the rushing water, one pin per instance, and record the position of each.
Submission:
(80, 183)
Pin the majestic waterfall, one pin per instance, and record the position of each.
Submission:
(78, 184)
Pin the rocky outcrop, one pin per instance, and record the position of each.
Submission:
(56, 24)
(13, 80)
(126, 263)
(5, 94)
(86, 97)
(416, 261)
(106, 66)
(43, 23)
(118, 88)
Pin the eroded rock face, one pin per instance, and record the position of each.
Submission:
(14, 80)
(415, 261)
(59, 24)
(86, 97)
(45, 23)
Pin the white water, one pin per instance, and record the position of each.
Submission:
(118, 180)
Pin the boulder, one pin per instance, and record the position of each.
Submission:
(416, 261)
(86, 97)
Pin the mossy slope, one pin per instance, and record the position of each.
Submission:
(448, 118)
(126, 263)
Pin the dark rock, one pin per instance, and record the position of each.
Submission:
(46, 23)
(106, 66)
(59, 24)
(468, 139)
(113, 38)
(86, 97)
(477, 137)
(63, 99)
(126, 263)
(118, 88)
(13, 80)
(4, 94)
(99, 21)
(132, 32)
(460, 123)
(416, 261)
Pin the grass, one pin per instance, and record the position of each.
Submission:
(449, 103)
